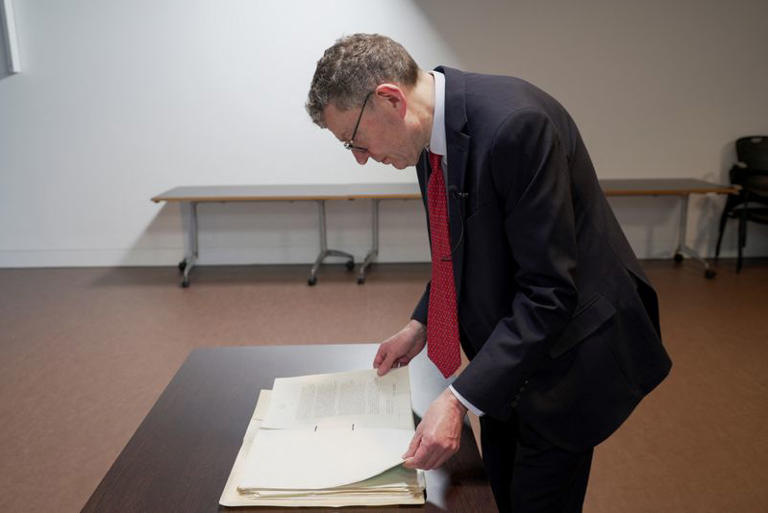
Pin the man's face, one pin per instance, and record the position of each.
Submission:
(382, 133)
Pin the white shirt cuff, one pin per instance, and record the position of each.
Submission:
(471, 407)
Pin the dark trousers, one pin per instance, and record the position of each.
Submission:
(528, 474)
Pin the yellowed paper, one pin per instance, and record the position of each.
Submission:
(395, 485)
(327, 458)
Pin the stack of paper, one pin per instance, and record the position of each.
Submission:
(328, 440)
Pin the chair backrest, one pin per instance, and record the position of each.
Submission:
(753, 151)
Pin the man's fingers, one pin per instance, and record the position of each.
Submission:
(382, 369)
(383, 361)
(415, 441)
(418, 460)
(425, 454)
(410, 463)
(429, 457)
(427, 460)
(386, 363)
(380, 354)
(418, 454)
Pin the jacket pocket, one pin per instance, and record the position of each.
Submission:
(595, 312)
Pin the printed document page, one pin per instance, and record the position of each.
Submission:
(342, 399)
(335, 466)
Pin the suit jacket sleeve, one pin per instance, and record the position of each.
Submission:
(530, 173)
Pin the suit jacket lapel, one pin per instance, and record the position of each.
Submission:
(458, 151)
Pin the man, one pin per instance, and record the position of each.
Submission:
(531, 272)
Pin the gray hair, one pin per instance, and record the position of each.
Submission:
(353, 67)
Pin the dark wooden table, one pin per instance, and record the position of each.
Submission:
(180, 456)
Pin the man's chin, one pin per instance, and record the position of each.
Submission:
(401, 165)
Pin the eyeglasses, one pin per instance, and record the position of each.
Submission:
(350, 144)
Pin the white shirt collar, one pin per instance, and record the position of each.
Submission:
(437, 142)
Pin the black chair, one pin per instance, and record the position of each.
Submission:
(751, 204)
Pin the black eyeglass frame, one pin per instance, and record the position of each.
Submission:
(350, 144)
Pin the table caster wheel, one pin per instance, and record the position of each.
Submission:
(350, 265)
(709, 274)
(184, 284)
(182, 265)
(311, 281)
(678, 257)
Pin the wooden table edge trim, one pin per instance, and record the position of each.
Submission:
(725, 189)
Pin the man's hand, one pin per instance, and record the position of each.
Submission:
(438, 434)
(400, 348)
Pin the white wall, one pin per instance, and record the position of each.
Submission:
(121, 100)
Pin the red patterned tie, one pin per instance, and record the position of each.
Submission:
(442, 323)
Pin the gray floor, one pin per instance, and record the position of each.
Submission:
(84, 353)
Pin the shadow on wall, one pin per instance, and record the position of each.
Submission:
(647, 219)
(4, 68)
(237, 233)
(458, 23)
(160, 242)
(5, 65)
(727, 159)
(711, 206)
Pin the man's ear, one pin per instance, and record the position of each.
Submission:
(394, 98)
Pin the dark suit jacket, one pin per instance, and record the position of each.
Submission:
(555, 313)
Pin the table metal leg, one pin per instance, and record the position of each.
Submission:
(189, 211)
(324, 251)
(683, 249)
(374, 252)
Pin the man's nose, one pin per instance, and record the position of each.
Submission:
(361, 157)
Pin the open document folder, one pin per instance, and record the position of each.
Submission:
(328, 440)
